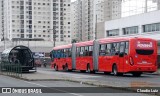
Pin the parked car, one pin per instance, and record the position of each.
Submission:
(38, 63)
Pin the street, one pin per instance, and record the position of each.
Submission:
(6, 81)
(98, 78)
(127, 80)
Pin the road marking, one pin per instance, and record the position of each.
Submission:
(53, 88)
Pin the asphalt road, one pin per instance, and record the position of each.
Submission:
(122, 80)
(12, 82)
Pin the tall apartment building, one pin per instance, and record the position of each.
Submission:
(1, 20)
(95, 12)
(106, 10)
(76, 21)
(36, 19)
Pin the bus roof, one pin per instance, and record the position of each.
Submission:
(108, 40)
(101, 41)
(63, 47)
(87, 43)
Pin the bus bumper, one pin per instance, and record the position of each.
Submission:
(149, 69)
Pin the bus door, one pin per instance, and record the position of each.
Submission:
(123, 55)
(104, 57)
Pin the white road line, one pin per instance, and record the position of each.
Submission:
(53, 88)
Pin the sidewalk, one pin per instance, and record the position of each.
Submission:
(48, 77)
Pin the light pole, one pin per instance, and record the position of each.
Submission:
(146, 6)
(54, 37)
(3, 36)
(96, 28)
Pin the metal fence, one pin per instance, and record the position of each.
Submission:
(11, 69)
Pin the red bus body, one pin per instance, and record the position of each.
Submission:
(117, 55)
(133, 61)
(62, 62)
(83, 61)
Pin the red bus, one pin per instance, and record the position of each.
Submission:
(108, 55)
(61, 58)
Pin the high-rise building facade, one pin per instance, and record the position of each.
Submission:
(88, 19)
(76, 21)
(94, 12)
(36, 19)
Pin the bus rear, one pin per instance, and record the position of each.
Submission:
(143, 55)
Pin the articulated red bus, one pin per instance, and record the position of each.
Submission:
(108, 55)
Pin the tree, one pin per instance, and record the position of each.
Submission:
(74, 40)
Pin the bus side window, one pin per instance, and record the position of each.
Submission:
(65, 53)
(108, 49)
(90, 50)
(115, 48)
(86, 51)
(122, 47)
(126, 48)
(62, 53)
(77, 52)
(70, 53)
(102, 51)
(81, 51)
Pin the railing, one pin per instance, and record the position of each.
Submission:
(11, 69)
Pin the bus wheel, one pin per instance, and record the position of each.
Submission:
(88, 68)
(66, 67)
(136, 74)
(56, 68)
(114, 70)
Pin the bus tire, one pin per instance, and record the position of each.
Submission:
(114, 70)
(66, 67)
(88, 68)
(137, 74)
(56, 68)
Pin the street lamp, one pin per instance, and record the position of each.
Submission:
(96, 28)
(3, 38)
(54, 37)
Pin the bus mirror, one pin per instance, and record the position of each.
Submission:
(121, 54)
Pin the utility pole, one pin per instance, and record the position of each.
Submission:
(4, 40)
(96, 28)
(146, 8)
(54, 37)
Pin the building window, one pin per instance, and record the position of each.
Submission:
(151, 27)
(114, 32)
(130, 30)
